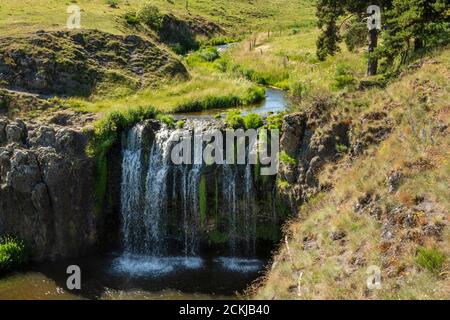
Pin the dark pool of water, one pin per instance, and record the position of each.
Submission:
(136, 277)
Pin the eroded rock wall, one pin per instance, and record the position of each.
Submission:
(47, 188)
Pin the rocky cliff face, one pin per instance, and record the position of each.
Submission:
(47, 187)
(315, 137)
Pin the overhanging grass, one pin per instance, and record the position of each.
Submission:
(107, 134)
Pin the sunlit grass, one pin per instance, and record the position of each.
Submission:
(236, 15)
(288, 60)
(173, 96)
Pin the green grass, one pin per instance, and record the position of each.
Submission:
(13, 254)
(431, 259)
(287, 159)
(207, 89)
(412, 267)
(236, 16)
(288, 61)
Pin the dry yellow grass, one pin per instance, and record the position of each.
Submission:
(310, 265)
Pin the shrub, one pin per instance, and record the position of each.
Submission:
(275, 121)
(297, 89)
(167, 119)
(13, 254)
(341, 148)
(131, 18)
(208, 54)
(113, 3)
(253, 121)
(287, 159)
(180, 124)
(149, 14)
(235, 120)
(431, 259)
(344, 77)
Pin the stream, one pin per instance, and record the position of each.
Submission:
(140, 274)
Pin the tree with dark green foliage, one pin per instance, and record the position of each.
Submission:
(412, 27)
(409, 26)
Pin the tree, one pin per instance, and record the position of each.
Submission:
(414, 26)
(409, 26)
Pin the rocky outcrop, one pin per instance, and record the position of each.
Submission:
(313, 138)
(13, 103)
(47, 188)
(77, 62)
(309, 148)
(182, 32)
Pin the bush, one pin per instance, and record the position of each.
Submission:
(235, 120)
(344, 77)
(341, 148)
(113, 3)
(180, 124)
(431, 259)
(167, 119)
(275, 121)
(253, 121)
(13, 254)
(287, 159)
(149, 14)
(131, 18)
(208, 54)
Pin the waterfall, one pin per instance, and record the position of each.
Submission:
(131, 191)
(160, 201)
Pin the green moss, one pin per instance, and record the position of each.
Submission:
(282, 184)
(106, 135)
(216, 198)
(217, 237)
(287, 159)
(268, 231)
(202, 200)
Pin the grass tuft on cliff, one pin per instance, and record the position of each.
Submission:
(13, 254)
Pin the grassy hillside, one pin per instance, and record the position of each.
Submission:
(339, 234)
(287, 60)
(235, 15)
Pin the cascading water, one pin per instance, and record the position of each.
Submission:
(179, 210)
